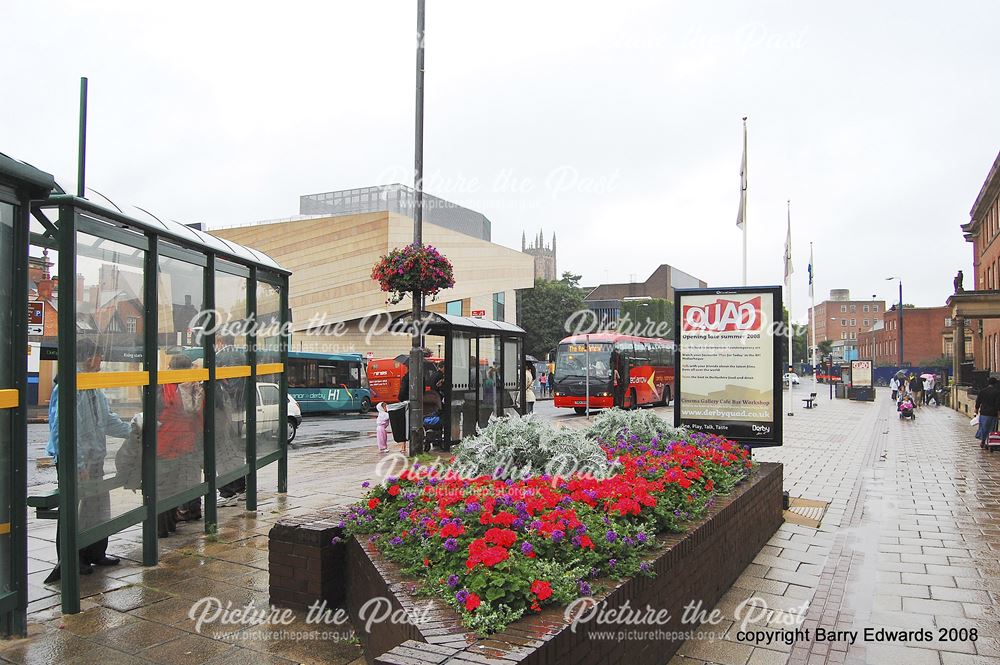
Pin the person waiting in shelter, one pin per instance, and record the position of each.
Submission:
(987, 406)
(179, 455)
(95, 422)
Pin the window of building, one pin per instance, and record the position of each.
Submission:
(867, 323)
(866, 308)
(854, 322)
(130, 324)
(454, 308)
(854, 335)
(843, 335)
(947, 322)
(874, 308)
(843, 322)
(843, 308)
(498, 306)
(854, 308)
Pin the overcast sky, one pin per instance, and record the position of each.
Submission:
(615, 125)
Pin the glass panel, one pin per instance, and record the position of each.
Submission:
(230, 394)
(512, 375)
(109, 292)
(180, 407)
(454, 308)
(268, 400)
(462, 400)
(489, 378)
(268, 351)
(7, 217)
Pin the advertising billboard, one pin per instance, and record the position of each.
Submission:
(728, 362)
(861, 373)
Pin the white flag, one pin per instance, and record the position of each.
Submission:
(741, 216)
(788, 249)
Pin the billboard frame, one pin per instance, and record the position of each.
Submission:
(775, 437)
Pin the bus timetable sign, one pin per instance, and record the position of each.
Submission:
(728, 362)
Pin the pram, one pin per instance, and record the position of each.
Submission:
(905, 409)
(433, 421)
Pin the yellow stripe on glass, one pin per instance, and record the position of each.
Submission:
(165, 376)
(9, 399)
(270, 368)
(91, 380)
(232, 372)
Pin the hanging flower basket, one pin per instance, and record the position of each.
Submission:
(413, 268)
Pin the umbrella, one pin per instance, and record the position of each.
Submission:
(928, 376)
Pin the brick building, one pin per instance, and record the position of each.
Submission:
(606, 300)
(842, 320)
(927, 333)
(983, 302)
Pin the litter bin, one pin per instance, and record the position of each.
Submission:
(840, 390)
(397, 421)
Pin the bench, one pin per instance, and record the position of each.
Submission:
(46, 504)
(810, 401)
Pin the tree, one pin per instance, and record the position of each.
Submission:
(653, 317)
(825, 347)
(544, 310)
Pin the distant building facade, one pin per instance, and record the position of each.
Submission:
(927, 337)
(606, 300)
(400, 200)
(545, 256)
(841, 321)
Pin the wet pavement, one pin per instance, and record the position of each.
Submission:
(910, 540)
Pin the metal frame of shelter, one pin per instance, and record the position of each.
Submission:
(79, 229)
(468, 392)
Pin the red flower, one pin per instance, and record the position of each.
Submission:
(472, 601)
(373, 503)
(393, 490)
(502, 537)
(451, 530)
(541, 589)
(709, 485)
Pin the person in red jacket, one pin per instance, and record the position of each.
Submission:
(180, 422)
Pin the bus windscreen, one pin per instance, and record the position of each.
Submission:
(572, 359)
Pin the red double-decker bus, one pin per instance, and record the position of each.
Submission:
(624, 371)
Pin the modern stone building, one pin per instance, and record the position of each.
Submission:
(334, 301)
(398, 199)
(606, 300)
(545, 256)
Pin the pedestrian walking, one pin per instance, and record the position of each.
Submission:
(928, 388)
(381, 423)
(916, 389)
(529, 388)
(894, 386)
(543, 382)
(987, 405)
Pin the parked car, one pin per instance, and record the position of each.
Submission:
(791, 377)
(267, 411)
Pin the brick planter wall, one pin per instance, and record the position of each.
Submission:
(700, 564)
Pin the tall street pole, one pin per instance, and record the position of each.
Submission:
(416, 444)
(81, 153)
(901, 324)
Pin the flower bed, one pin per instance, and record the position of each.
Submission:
(499, 549)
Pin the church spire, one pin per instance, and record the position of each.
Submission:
(522, 241)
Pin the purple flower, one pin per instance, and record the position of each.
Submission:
(526, 548)
(641, 536)
(535, 525)
(518, 523)
(644, 566)
(403, 514)
(472, 507)
(366, 484)
(557, 536)
(612, 563)
(450, 545)
(396, 540)
(461, 596)
(336, 539)
(611, 536)
(576, 541)
(372, 538)
(453, 581)
(585, 589)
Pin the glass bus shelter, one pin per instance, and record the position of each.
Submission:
(483, 369)
(159, 339)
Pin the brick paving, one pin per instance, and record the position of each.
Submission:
(911, 539)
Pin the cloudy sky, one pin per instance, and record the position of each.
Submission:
(615, 125)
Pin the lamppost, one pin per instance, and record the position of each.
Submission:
(899, 319)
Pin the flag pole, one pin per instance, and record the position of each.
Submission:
(812, 305)
(744, 207)
(791, 328)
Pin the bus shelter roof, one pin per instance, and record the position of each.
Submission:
(482, 327)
